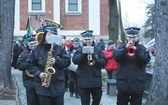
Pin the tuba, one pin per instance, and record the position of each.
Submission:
(50, 22)
(39, 37)
(28, 74)
(49, 70)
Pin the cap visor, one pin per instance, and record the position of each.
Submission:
(131, 35)
(87, 37)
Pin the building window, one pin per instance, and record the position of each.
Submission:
(35, 6)
(73, 7)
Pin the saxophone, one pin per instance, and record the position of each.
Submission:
(48, 70)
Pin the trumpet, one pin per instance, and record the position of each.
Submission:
(131, 50)
(91, 61)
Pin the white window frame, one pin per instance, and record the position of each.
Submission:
(34, 11)
(78, 12)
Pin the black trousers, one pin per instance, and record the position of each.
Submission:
(32, 98)
(73, 87)
(111, 74)
(48, 100)
(66, 78)
(96, 94)
(14, 62)
(134, 99)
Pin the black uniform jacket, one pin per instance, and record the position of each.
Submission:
(131, 72)
(89, 76)
(23, 63)
(57, 83)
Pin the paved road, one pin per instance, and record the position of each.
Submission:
(106, 100)
(22, 96)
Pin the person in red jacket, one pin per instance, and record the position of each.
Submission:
(111, 64)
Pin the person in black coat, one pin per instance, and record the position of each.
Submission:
(101, 44)
(18, 48)
(23, 64)
(72, 70)
(132, 58)
(89, 73)
(59, 59)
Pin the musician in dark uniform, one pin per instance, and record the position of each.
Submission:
(23, 63)
(18, 48)
(89, 70)
(132, 58)
(72, 70)
(45, 58)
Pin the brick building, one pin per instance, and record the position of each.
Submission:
(74, 15)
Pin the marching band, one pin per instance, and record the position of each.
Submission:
(48, 56)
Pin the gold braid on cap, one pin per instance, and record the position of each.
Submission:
(50, 22)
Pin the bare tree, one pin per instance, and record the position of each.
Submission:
(6, 34)
(115, 22)
(158, 94)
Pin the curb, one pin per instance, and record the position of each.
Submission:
(17, 92)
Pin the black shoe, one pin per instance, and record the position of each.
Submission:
(77, 95)
(71, 94)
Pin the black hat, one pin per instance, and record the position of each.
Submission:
(87, 34)
(31, 39)
(39, 30)
(50, 28)
(75, 40)
(132, 31)
(110, 42)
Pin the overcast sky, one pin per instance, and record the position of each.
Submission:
(134, 12)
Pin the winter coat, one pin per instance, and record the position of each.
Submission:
(23, 63)
(16, 52)
(101, 44)
(89, 76)
(111, 64)
(131, 72)
(57, 83)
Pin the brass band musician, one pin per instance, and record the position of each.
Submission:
(89, 69)
(23, 64)
(49, 60)
(132, 58)
(72, 70)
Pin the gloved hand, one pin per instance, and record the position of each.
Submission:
(130, 44)
(95, 57)
(84, 56)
